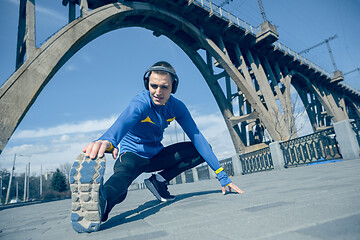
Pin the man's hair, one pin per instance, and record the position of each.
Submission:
(163, 64)
(162, 67)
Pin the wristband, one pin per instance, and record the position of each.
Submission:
(219, 170)
(109, 149)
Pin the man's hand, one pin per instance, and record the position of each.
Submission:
(231, 186)
(98, 148)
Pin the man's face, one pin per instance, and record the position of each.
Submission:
(160, 86)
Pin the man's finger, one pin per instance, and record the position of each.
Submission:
(89, 148)
(238, 190)
(95, 149)
(84, 149)
(104, 145)
(115, 153)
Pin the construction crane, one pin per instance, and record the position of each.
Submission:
(262, 11)
(225, 2)
(356, 69)
(328, 47)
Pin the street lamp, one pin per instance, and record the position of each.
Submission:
(1, 189)
(10, 180)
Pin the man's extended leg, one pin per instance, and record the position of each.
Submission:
(126, 169)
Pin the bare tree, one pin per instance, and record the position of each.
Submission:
(65, 169)
(292, 118)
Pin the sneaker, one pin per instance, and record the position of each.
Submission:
(159, 189)
(88, 201)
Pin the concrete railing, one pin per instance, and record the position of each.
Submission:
(349, 88)
(232, 19)
(300, 58)
(220, 12)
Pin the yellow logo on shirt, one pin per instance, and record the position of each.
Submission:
(147, 119)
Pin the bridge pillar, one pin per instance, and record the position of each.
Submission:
(183, 177)
(72, 13)
(277, 155)
(349, 146)
(267, 93)
(195, 174)
(236, 165)
(83, 8)
(26, 32)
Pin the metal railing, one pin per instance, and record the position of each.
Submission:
(356, 128)
(316, 147)
(256, 161)
(203, 172)
(226, 164)
(189, 177)
(178, 179)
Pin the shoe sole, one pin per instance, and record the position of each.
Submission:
(153, 190)
(86, 177)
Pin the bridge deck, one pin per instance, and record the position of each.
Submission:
(310, 202)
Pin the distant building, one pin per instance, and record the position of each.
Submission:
(48, 175)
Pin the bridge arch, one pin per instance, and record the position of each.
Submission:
(315, 101)
(18, 93)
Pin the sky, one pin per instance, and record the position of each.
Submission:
(87, 94)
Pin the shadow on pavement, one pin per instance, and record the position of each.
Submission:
(147, 209)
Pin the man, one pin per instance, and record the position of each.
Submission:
(139, 130)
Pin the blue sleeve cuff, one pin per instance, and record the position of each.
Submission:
(223, 178)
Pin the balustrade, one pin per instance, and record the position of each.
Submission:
(356, 128)
(256, 161)
(319, 146)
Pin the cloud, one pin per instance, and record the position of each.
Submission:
(70, 67)
(216, 133)
(14, 2)
(50, 13)
(43, 10)
(84, 127)
(85, 57)
(213, 128)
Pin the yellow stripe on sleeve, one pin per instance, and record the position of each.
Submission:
(171, 119)
(219, 170)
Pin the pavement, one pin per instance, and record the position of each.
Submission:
(309, 202)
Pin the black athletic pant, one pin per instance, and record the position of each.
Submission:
(171, 161)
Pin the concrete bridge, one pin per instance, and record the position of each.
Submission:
(261, 69)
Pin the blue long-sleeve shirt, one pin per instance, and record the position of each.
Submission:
(140, 127)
